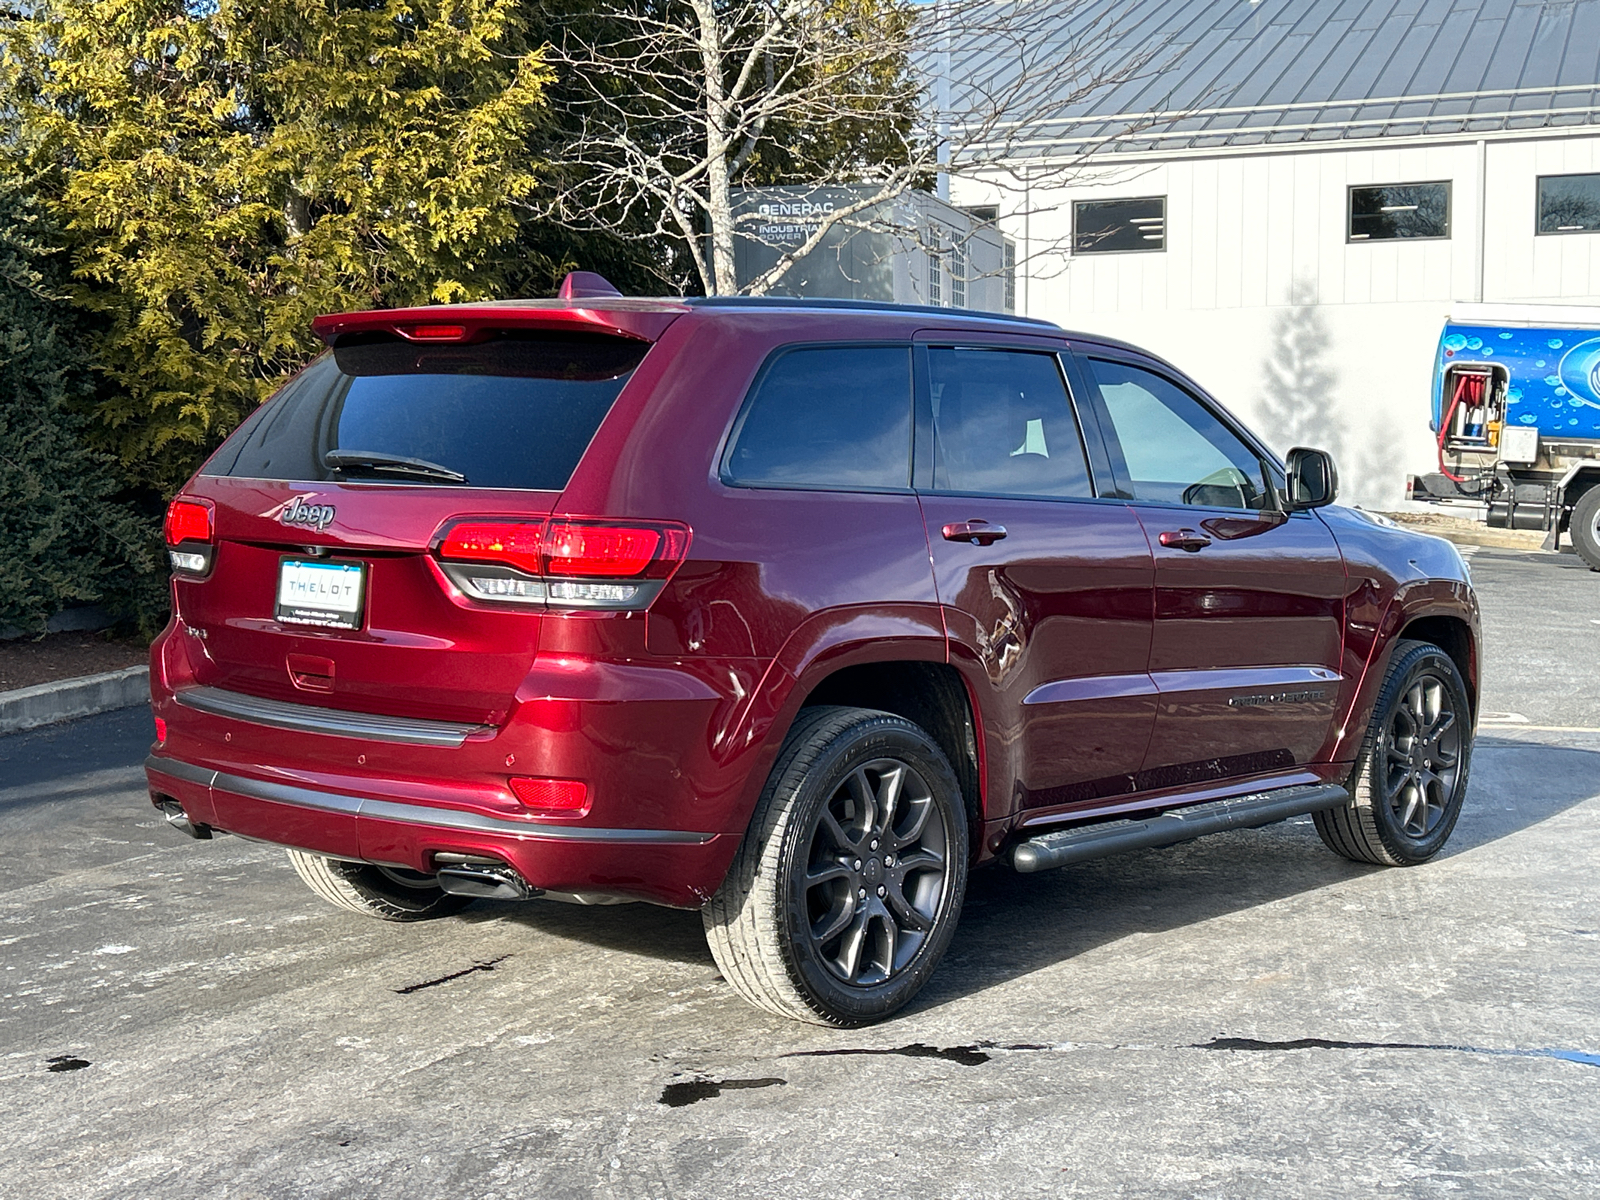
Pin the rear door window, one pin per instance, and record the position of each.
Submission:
(827, 417)
(517, 411)
(1003, 425)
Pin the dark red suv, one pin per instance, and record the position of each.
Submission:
(790, 612)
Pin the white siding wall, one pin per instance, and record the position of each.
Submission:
(1260, 298)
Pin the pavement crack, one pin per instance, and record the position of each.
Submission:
(692, 1091)
(1583, 1057)
(967, 1056)
(474, 968)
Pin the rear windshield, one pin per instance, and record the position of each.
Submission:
(514, 412)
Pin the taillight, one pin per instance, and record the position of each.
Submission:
(190, 532)
(563, 563)
(552, 797)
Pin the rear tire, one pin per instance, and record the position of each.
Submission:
(1411, 774)
(848, 886)
(1583, 527)
(386, 893)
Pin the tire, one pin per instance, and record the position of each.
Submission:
(1583, 527)
(822, 918)
(1411, 774)
(383, 892)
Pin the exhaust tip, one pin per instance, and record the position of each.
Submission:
(179, 820)
(481, 878)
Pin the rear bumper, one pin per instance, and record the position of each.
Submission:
(673, 867)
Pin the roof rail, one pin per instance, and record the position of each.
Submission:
(971, 314)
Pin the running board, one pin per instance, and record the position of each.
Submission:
(1176, 825)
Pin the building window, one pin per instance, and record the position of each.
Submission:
(1009, 291)
(958, 275)
(1401, 210)
(1117, 226)
(1569, 203)
(935, 268)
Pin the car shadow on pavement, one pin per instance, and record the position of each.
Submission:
(1015, 924)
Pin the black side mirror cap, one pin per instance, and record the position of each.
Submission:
(1313, 479)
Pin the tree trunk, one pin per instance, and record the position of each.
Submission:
(719, 204)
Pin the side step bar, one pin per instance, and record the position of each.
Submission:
(1176, 825)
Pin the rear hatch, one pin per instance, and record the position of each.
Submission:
(327, 503)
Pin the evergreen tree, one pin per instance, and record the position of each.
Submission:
(223, 173)
(65, 540)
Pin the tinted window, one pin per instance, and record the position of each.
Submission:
(1002, 425)
(835, 416)
(1107, 226)
(514, 412)
(1409, 210)
(1569, 203)
(1176, 451)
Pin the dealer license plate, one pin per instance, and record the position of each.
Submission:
(320, 593)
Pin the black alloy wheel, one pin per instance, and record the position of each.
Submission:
(877, 871)
(1422, 756)
(847, 888)
(1411, 772)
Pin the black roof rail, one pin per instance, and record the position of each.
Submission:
(861, 305)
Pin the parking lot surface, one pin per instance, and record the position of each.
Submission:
(1244, 1016)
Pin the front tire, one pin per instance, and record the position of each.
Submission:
(1411, 774)
(1583, 527)
(848, 886)
(386, 893)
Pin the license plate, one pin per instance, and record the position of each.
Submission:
(320, 593)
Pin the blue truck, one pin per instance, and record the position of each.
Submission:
(1516, 415)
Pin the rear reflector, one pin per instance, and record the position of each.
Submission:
(161, 730)
(188, 521)
(563, 563)
(556, 797)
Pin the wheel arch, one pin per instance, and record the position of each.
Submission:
(932, 696)
(1453, 635)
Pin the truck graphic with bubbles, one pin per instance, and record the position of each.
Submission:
(1516, 414)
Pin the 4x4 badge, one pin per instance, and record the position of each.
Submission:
(313, 516)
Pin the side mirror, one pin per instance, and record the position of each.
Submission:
(1313, 479)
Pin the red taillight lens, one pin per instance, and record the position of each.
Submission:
(556, 797)
(563, 563)
(188, 521)
(161, 730)
(600, 551)
(516, 543)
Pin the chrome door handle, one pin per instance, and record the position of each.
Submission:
(1185, 539)
(979, 533)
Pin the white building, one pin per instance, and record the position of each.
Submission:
(1345, 171)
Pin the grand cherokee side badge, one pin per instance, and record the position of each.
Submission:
(312, 516)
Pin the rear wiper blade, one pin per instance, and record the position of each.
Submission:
(398, 464)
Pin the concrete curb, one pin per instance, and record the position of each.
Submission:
(1464, 532)
(47, 703)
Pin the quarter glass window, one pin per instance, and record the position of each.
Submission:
(834, 417)
(1002, 425)
(1176, 451)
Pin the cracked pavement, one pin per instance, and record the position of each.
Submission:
(1244, 1016)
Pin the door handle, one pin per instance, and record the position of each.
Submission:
(979, 533)
(1185, 539)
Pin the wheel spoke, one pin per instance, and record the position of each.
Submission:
(829, 825)
(905, 913)
(891, 943)
(833, 922)
(920, 860)
(1442, 723)
(888, 799)
(1413, 797)
(822, 872)
(866, 801)
(854, 942)
(921, 810)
